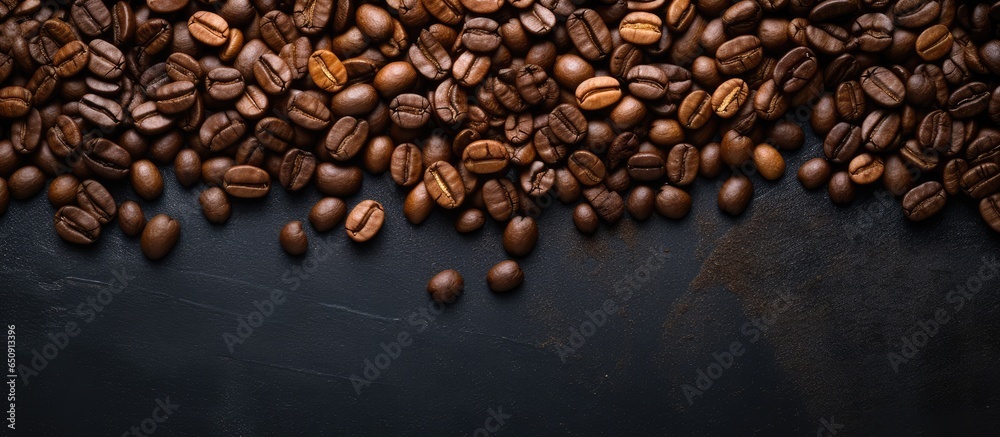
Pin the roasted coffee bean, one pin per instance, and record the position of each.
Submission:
(567, 124)
(989, 208)
(842, 142)
(537, 179)
(729, 97)
(208, 28)
(91, 17)
(346, 138)
(505, 276)
(106, 159)
(925, 160)
(327, 213)
(224, 83)
(640, 28)
(485, 157)
(865, 169)
(272, 74)
(735, 194)
(450, 103)
(981, 180)
(934, 43)
(297, 167)
(71, 59)
(841, 189)
(131, 219)
(608, 204)
(446, 286)
(880, 130)
(187, 167)
(646, 166)
(326, 71)
(470, 220)
(672, 202)
(76, 225)
(814, 173)
(246, 182)
(585, 219)
(215, 205)
(586, 167)
(873, 31)
(365, 220)
(410, 111)
(710, 160)
(62, 190)
(407, 167)
(175, 97)
(418, 205)
(160, 236)
(274, 134)
(969, 100)
(796, 69)
(883, 86)
(222, 130)
(338, 180)
(146, 179)
(924, 201)
(444, 184)
(293, 239)
(598, 92)
(646, 82)
(98, 110)
(92, 197)
(850, 100)
(589, 34)
(739, 55)
(500, 198)
(769, 162)
(520, 236)
(736, 148)
(682, 164)
(429, 57)
(695, 110)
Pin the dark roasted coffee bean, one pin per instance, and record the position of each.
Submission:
(736, 148)
(897, 177)
(444, 185)
(842, 142)
(71, 59)
(338, 180)
(672, 202)
(585, 219)
(222, 130)
(796, 69)
(446, 286)
(850, 101)
(924, 201)
(814, 173)
(106, 159)
(608, 204)
(146, 179)
(224, 83)
(520, 236)
(26, 133)
(175, 97)
(874, 31)
(187, 167)
(586, 167)
(470, 220)
(735, 194)
(646, 166)
(865, 169)
(883, 86)
(365, 220)
(505, 276)
(272, 74)
(62, 190)
(215, 205)
(450, 103)
(246, 182)
(589, 34)
(92, 197)
(76, 225)
(829, 39)
(410, 111)
(710, 160)
(500, 198)
(308, 111)
(916, 13)
(327, 213)
(131, 219)
(568, 124)
(922, 159)
(539, 20)
(537, 179)
(969, 100)
(485, 157)
(695, 110)
(293, 239)
(880, 130)
(989, 208)
(682, 164)
(346, 138)
(160, 236)
(407, 165)
(429, 57)
(981, 181)
(100, 111)
(297, 167)
(91, 17)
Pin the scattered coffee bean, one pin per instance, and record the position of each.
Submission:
(446, 286)
(505, 276)
(293, 239)
(159, 236)
(365, 220)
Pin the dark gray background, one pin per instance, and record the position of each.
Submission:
(861, 278)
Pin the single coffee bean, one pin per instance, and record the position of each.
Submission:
(247, 182)
(729, 97)
(520, 236)
(485, 157)
(647, 82)
(500, 198)
(865, 169)
(883, 86)
(672, 202)
(989, 209)
(695, 110)
(969, 100)
(585, 219)
(327, 213)
(840, 188)
(131, 219)
(924, 201)
(586, 167)
(739, 55)
(505, 276)
(410, 111)
(880, 130)
(272, 74)
(71, 59)
(568, 124)
(589, 34)
(444, 184)
(159, 236)
(146, 179)
(934, 43)
(470, 220)
(365, 220)
(224, 84)
(293, 239)
(682, 164)
(62, 190)
(327, 71)
(222, 130)
(814, 173)
(769, 162)
(76, 225)
(786, 135)
(598, 92)
(873, 31)
(640, 28)
(91, 17)
(795, 70)
(208, 28)
(735, 194)
(187, 167)
(297, 168)
(103, 112)
(646, 166)
(981, 181)
(736, 148)
(94, 198)
(418, 205)
(175, 97)
(481, 35)
(898, 178)
(850, 100)
(842, 142)
(446, 286)
(407, 166)
(358, 100)
(608, 204)
(338, 180)
(215, 205)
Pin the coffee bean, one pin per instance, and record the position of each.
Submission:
(91, 17)
(410, 111)
(446, 286)
(444, 185)
(146, 179)
(840, 188)
(94, 198)
(729, 97)
(735, 194)
(646, 82)
(160, 236)
(62, 190)
(327, 71)
(794, 70)
(883, 86)
(608, 204)
(586, 167)
(520, 236)
(981, 180)
(106, 159)
(589, 34)
(131, 219)
(989, 209)
(646, 166)
(215, 205)
(222, 130)
(880, 130)
(365, 220)
(505, 276)
(429, 57)
(71, 59)
(682, 164)
(739, 55)
(865, 169)
(500, 198)
(969, 100)
(485, 157)
(568, 124)
(208, 28)
(76, 225)
(293, 239)
(246, 182)
(736, 148)
(842, 142)
(225, 83)
(598, 92)
(695, 110)
(100, 111)
(769, 162)
(814, 173)
(357, 100)
(297, 168)
(338, 180)
(470, 220)
(640, 28)
(934, 43)
(672, 202)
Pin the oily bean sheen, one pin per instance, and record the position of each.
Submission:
(982, 180)
(76, 225)
(586, 167)
(444, 184)
(92, 197)
(246, 182)
(215, 205)
(159, 236)
(293, 238)
(485, 157)
(989, 209)
(446, 286)
(735, 195)
(924, 200)
(365, 220)
(883, 87)
(131, 219)
(505, 276)
(327, 213)
(520, 236)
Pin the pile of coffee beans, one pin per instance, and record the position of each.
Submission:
(490, 108)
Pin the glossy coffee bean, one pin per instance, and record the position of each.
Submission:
(327, 213)
(159, 236)
(989, 209)
(94, 198)
(293, 239)
(735, 195)
(446, 286)
(146, 179)
(520, 236)
(365, 220)
(62, 190)
(924, 201)
(76, 225)
(505, 276)
(470, 220)
(585, 219)
(131, 218)
(840, 188)
(444, 184)
(814, 173)
(215, 205)
(246, 182)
